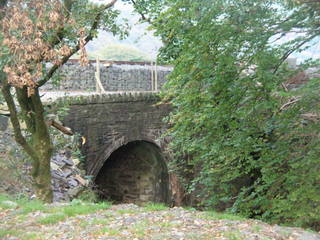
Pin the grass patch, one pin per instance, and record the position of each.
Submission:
(76, 208)
(99, 221)
(192, 209)
(28, 206)
(22, 218)
(233, 236)
(4, 197)
(139, 229)
(128, 211)
(155, 207)
(24, 205)
(95, 222)
(52, 218)
(109, 231)
(211, 215)
(32, 236)
(166, 225)
(8, 232)
(257, 228)
(6, 202)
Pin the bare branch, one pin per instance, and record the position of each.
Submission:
(141, 14)
(109, 5)
(311, 116)
(284, 87)
(55, 67)
(291, 101)
(289, 52)
(61, 128)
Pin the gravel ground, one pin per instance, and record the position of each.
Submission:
(128, 221)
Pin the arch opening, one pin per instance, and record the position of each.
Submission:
(134, 173)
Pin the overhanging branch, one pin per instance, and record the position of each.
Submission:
(60, 127)
(141, 14)
(90, 36)
(289, 52)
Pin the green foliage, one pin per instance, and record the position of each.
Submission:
(110, 231)
(4, 197)
(7, 232)
(234, 236)
(88, 195)
(52, 218)
(27, 206)
(23, 205)
(76, 207)
(155, 207)
(80, 208)
(53, 214)
(212, 215)
(239, 143)
(148, 9)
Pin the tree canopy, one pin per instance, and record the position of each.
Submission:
(243, 141)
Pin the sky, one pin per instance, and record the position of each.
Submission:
(145, 41)
(139, 36)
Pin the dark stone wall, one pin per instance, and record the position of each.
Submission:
(108, 122)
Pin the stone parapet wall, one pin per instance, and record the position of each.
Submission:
(114, 76)
(123, 97)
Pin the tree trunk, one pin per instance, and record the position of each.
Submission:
(39, 148)
(41, 171)
(43, 147)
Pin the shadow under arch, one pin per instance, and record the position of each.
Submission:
(135, 172)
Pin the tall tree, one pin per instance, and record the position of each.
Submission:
(34, 35)
(251, 138)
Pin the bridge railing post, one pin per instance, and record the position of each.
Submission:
(99, 86)
(154, 76)
(152, 81)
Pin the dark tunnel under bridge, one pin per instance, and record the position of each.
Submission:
(134, 173)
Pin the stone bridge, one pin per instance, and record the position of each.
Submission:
(123, 149)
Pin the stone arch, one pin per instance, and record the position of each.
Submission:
(133, 171)
(94, 167)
